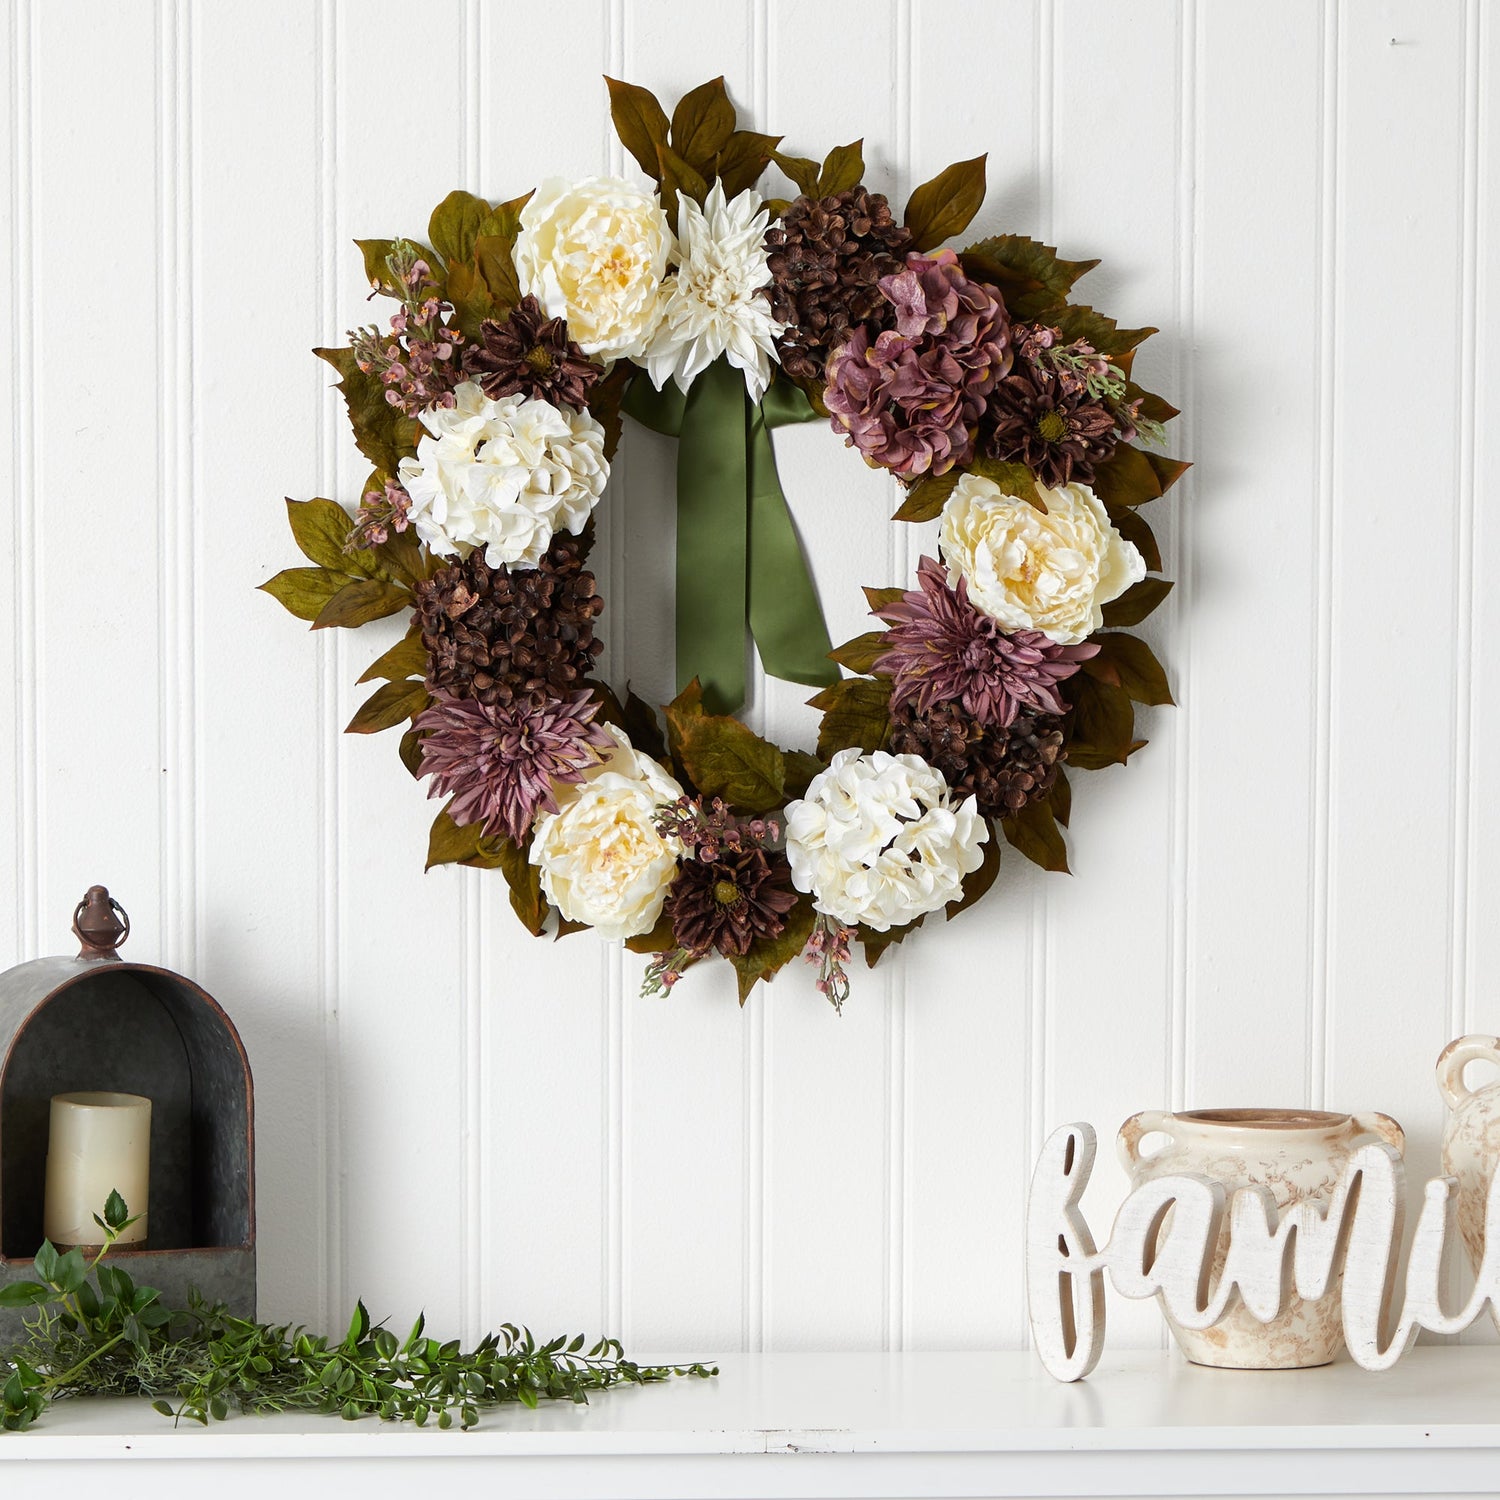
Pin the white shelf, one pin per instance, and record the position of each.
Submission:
(815, 1425)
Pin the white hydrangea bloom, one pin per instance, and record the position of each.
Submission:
(601, 859)
(878, 839)
(503, 475)
(1031, 571)
(713, 305)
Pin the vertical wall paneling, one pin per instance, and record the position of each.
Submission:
(264, 876)
(1391, 844)
(1247, 937)
(1108, 937)
(543, 1115)
(17, 581)
(1282, 900)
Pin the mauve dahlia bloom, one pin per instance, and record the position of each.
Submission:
(501, 762)
(941, 649)
(910, 400)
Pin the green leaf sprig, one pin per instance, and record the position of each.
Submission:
(91, 1331)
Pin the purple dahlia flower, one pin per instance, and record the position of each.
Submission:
(941, 650)
(500, 762)
(910, 400)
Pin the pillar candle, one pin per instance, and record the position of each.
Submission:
(99, 1143)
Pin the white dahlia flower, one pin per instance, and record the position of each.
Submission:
(601, 859)
(878, 839)
(595, 252)
(1030, 571)
(503, 475)
(713, 305)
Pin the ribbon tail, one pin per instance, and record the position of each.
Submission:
(785, 616)
(713, 539)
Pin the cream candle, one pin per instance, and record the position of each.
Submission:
(99, 1143)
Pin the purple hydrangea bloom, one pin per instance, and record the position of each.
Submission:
(911, 399)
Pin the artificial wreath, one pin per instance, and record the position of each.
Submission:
(491, 408)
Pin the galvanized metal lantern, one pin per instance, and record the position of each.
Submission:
(99, 1023)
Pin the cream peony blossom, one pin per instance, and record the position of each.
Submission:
(503, 475)
(1051, 572)
(595, 252)
(713, 305)
(878, 839)
(601, 858)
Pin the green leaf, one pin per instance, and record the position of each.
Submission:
(1034, 832)
(305, 591)
(640, 122)
(768, 956)
(525, 882)
(454, 225)
(116, 1210)
(1126, 478)
(1078, 321)
(677, 176)
(856, 712)
(658, 940)
(1138, 601)
(641, 724)
(800, 770)
(71, 1272)
(1102, 726)
(47, 1260)
(494, 263)
(843, 168)
(977, 882)
(927, 497)
(682, 713)
(743, 160)
(1060, 798)
(504, 219)
(381, 432)
(1133, 527)
(726, 759)
(702, 124)
(861, 654)
(410, 751)
(320, 528)
(472, 302)
(1126, 661)
(803, 171)
(24, 1294)
(943, 207)
(876, 944)
(390, 704)
(451, 843)
(360, 601)
(378, 273)
(407, 658)
(359, 1325)
(879, 599)
(1029, 274)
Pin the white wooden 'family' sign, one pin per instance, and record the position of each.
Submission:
(1165, 1234)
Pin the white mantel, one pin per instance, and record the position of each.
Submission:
(841, 1425)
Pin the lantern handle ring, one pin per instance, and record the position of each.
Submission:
(100, 924)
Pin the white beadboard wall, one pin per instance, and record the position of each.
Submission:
(1288, 899)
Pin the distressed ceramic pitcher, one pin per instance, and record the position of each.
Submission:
(1471, 1137)
(1297, 1155)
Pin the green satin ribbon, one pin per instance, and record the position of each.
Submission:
(740, 568)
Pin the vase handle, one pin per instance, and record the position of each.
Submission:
(1455, 1057)
(1385, 1127)
(1128, 1142)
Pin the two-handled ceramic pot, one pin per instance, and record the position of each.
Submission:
(1297, 1155)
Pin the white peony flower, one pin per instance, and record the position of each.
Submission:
(878, 839)
(713, 304)
(1030, 571)
(595, 252)
(503, 475)
(601, 858)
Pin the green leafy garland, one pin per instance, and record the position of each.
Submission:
(92, 1331)
(363, 569)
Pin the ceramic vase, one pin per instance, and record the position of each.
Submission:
(1297, 1156)
(1471, 1137)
